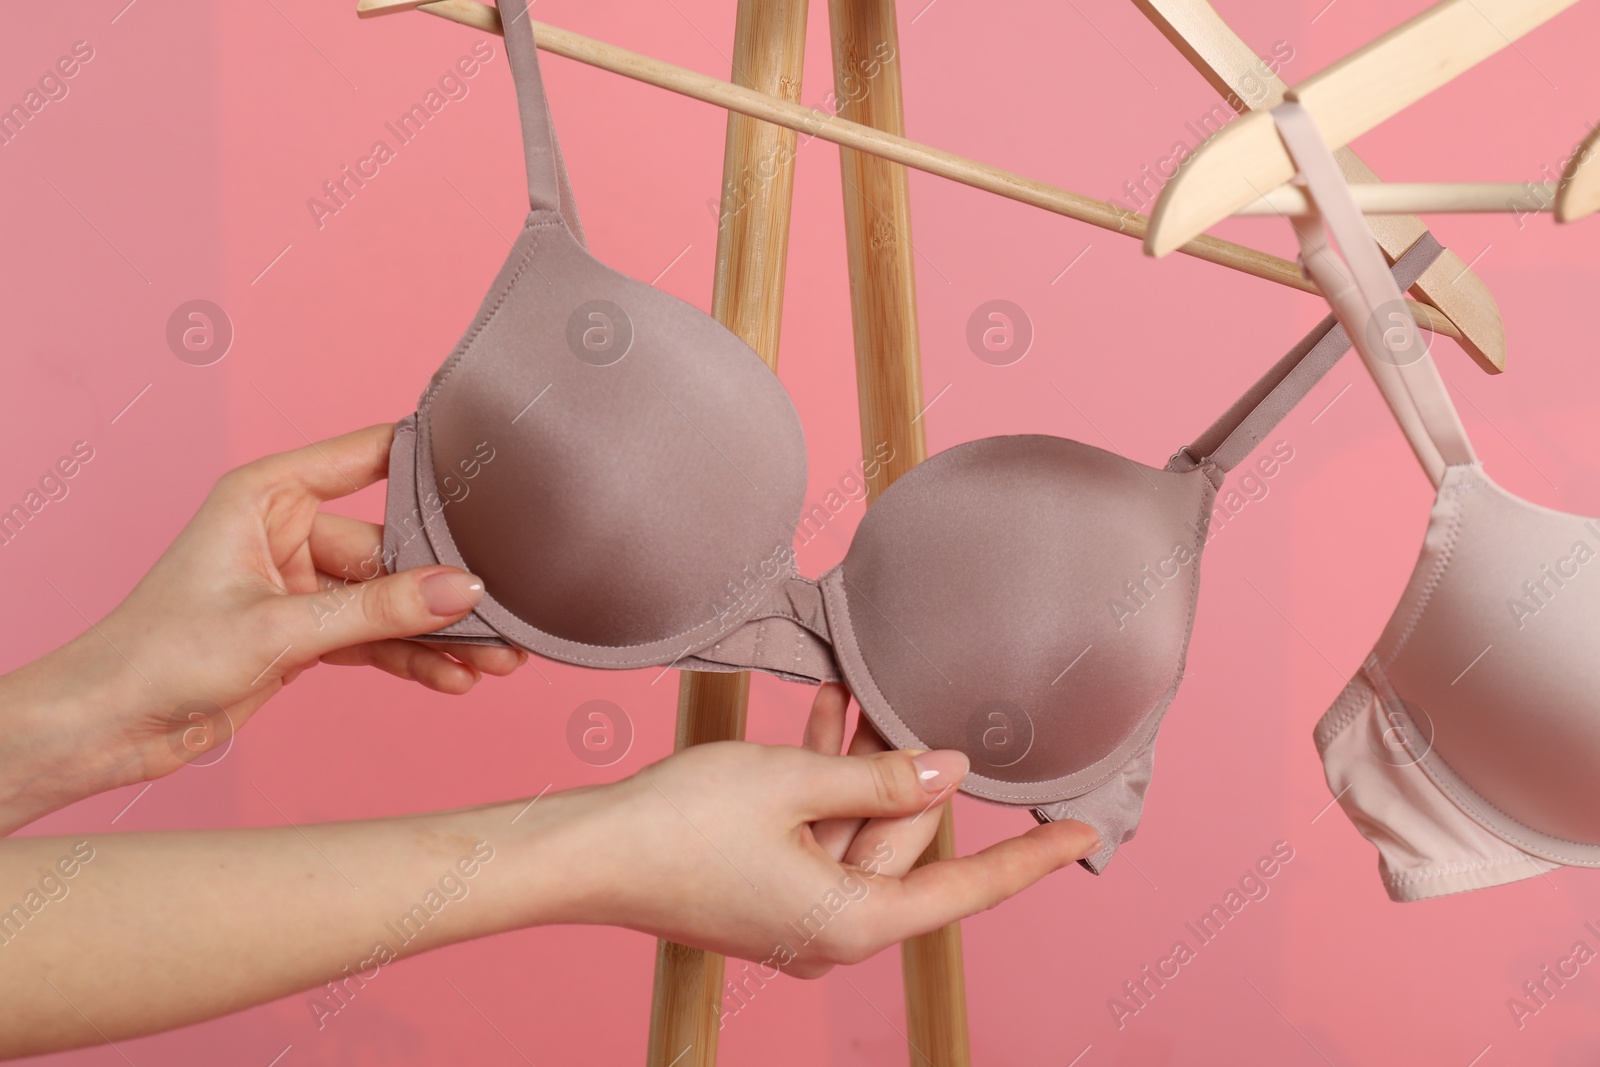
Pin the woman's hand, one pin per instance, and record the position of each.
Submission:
(792, 858)
(259, 586)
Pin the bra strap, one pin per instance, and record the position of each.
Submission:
(1254, 415)
(548, 187)
(1368, 302)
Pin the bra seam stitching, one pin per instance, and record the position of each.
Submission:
(1456, 867)
(1337, 719)
(1462, 797)
(459, 355)
(1465, 797)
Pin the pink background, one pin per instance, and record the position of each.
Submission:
(179, 167)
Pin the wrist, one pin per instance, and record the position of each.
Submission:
(562, 855)
(55, 748)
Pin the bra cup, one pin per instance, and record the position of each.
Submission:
(1028, 600)
(1498, 669)
(618, 467)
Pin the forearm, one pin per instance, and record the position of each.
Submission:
(54, 749)
(232, 918)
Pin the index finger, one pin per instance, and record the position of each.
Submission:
(331, 468)
(938, 894)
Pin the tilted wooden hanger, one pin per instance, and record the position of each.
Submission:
(1210, 45)
(1246, 160)
(879, 143)
(1578, 195)
(1406, 198)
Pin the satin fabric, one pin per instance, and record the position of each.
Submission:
(1465, 748)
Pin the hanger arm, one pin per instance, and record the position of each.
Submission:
(1220, 56)
(1403, 198)
(1246, 159)
(1246, 83)
(875, 142)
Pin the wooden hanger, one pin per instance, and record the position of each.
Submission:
(1578, 195)
(1405, 198)
(876, 142)
(1235, 71)
(1247, 160)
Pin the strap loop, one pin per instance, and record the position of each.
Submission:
(1368, 302)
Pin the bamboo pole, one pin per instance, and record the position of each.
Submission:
(747, 297)
(787, 113)
(883, 307)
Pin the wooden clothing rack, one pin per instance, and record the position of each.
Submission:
(747, 297)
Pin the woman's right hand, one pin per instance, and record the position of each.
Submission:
(718, 847)
(260, 586)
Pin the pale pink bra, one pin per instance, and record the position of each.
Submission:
(1465, 748)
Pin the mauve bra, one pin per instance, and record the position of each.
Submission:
(626, 476)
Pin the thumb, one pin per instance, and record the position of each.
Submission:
(406, 604)
(882, 784)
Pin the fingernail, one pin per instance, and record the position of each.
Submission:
(451, 594)
(940, 770)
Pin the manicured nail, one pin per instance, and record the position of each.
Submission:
(451, 594)
(940, 770)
